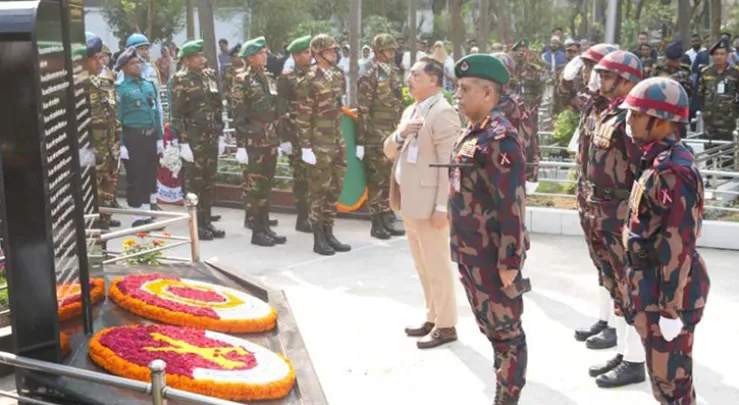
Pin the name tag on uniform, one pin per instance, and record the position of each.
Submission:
(457, 180)
(272, 88)
(213, 87)
(412, 153)
(721, 88)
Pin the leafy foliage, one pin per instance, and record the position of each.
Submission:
(376, 24)
(126, 17)
(565, 127)
(313, 28)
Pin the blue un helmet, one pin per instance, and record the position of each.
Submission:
(137, 40)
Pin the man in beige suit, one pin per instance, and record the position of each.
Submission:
(425, 136)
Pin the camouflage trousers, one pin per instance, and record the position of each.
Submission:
(670, 364)
(607, 243)
(377, 169)
(200, 174)
(533, 154)
(325, 181)
(258, 177)
(300, 178)
(498, 314)
(583, 212)
(106, 179)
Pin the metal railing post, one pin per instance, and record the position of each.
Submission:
(158, 381)
(736, 149)
(191, 201)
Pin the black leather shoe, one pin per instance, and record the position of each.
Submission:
(378, 228)
(583, 334)
(140, 222)
(113, 223)
(217, 233)
(204, 233)
(260, 238)
(624, 374)
(604, 340)
(273, 222)
(320, 244)
(603, 368)
(388, 220)
(333, 242)
(279, 240)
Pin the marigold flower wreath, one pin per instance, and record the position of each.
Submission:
(69, 297)
(199, 361)
(64, 344)
(191, 303)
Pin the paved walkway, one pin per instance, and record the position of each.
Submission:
(351, 309)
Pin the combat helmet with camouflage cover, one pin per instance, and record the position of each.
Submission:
(321, 42)
(384, 42)
(659, 97)
(624, 64)
(596, 52)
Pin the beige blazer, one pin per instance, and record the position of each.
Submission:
(421, 187)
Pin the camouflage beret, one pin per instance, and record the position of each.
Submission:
(252, 46)
(299, 45)
(190, 48)
(383, 42)
(482, 66)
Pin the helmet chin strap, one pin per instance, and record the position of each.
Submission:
(613, 88)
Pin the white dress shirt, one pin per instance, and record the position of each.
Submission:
(420, 111)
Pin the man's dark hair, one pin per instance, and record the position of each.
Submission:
(223, 41)
(644, 33)
(433, 67)
(558, 29)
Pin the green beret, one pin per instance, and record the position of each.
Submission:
(299, 45)
(521, 42)
(482, 66)
(251, 47)
(190, 48)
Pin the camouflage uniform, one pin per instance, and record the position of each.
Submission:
(106, 131)
(196, 114)
(719, 108)
(487, 212)
(380, 107)
(667, 277)
(681, 74)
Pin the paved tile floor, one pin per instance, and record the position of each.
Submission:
(351, 309)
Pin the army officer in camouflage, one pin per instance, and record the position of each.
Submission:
(254, 96)
(322, 145)
(380, 105)
(676, 65)
(487, 209)
(197, 120)
(667, 281)
(288, 108)
(718, 89)
(105, 129)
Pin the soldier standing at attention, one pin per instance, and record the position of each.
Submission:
(197, 121)
(319, 95)
(288, 108)
(718, 87)
(105, 129)
(141, 138)
(229, 72)
(667, 280)
(613, 161)
(529, 85)
(676, 65)
(380, 107)
(487, 211)
(602, 334)
(254, 95)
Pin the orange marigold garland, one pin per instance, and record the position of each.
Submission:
(192, 303)
(64, 344)
(69, 297)
(199, 361)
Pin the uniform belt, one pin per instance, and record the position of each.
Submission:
(608, 194)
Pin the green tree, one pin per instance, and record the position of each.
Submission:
(376, 24)
(313, 28)
(126, 17)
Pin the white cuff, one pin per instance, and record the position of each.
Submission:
(441, 208)
(398, 139)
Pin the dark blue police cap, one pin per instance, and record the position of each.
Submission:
(674, 50)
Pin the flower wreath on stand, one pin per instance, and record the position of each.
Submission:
(131, 246)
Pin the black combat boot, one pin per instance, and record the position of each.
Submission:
(272, 222)
(333, 242)
(388, 220)
(609, 365)
(264, 215)
(259, 235)
(112, 223)
(626, 373)
(320, 244)
(583, 334)
(603, 340)
(213, 218)
(203, 232)
(217, 233)
(378, 229)
(302, 224)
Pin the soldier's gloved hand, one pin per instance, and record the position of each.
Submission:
(124, 153)
(160, 147)
(286, 148)
(221, 146)
(531, 187)
(360, 152)
(87, 157)
(308, 156)
(186, 153)
(242, 156)
(670, 328)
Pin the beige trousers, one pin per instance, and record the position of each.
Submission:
(431, 254)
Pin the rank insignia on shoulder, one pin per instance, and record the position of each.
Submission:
(665, 197)
(504, 160)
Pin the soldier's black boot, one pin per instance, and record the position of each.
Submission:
(388, 220)
(272, 222)
(378, 228)
(203, 232)
(279, 240)
(320, 244)
(333, 242)
(583, 334)
(302, 224)
(603, 368)
(603, 340)
(213, 218)
(217, 233)
(626, 373)
(112, 223)
(259, 236)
